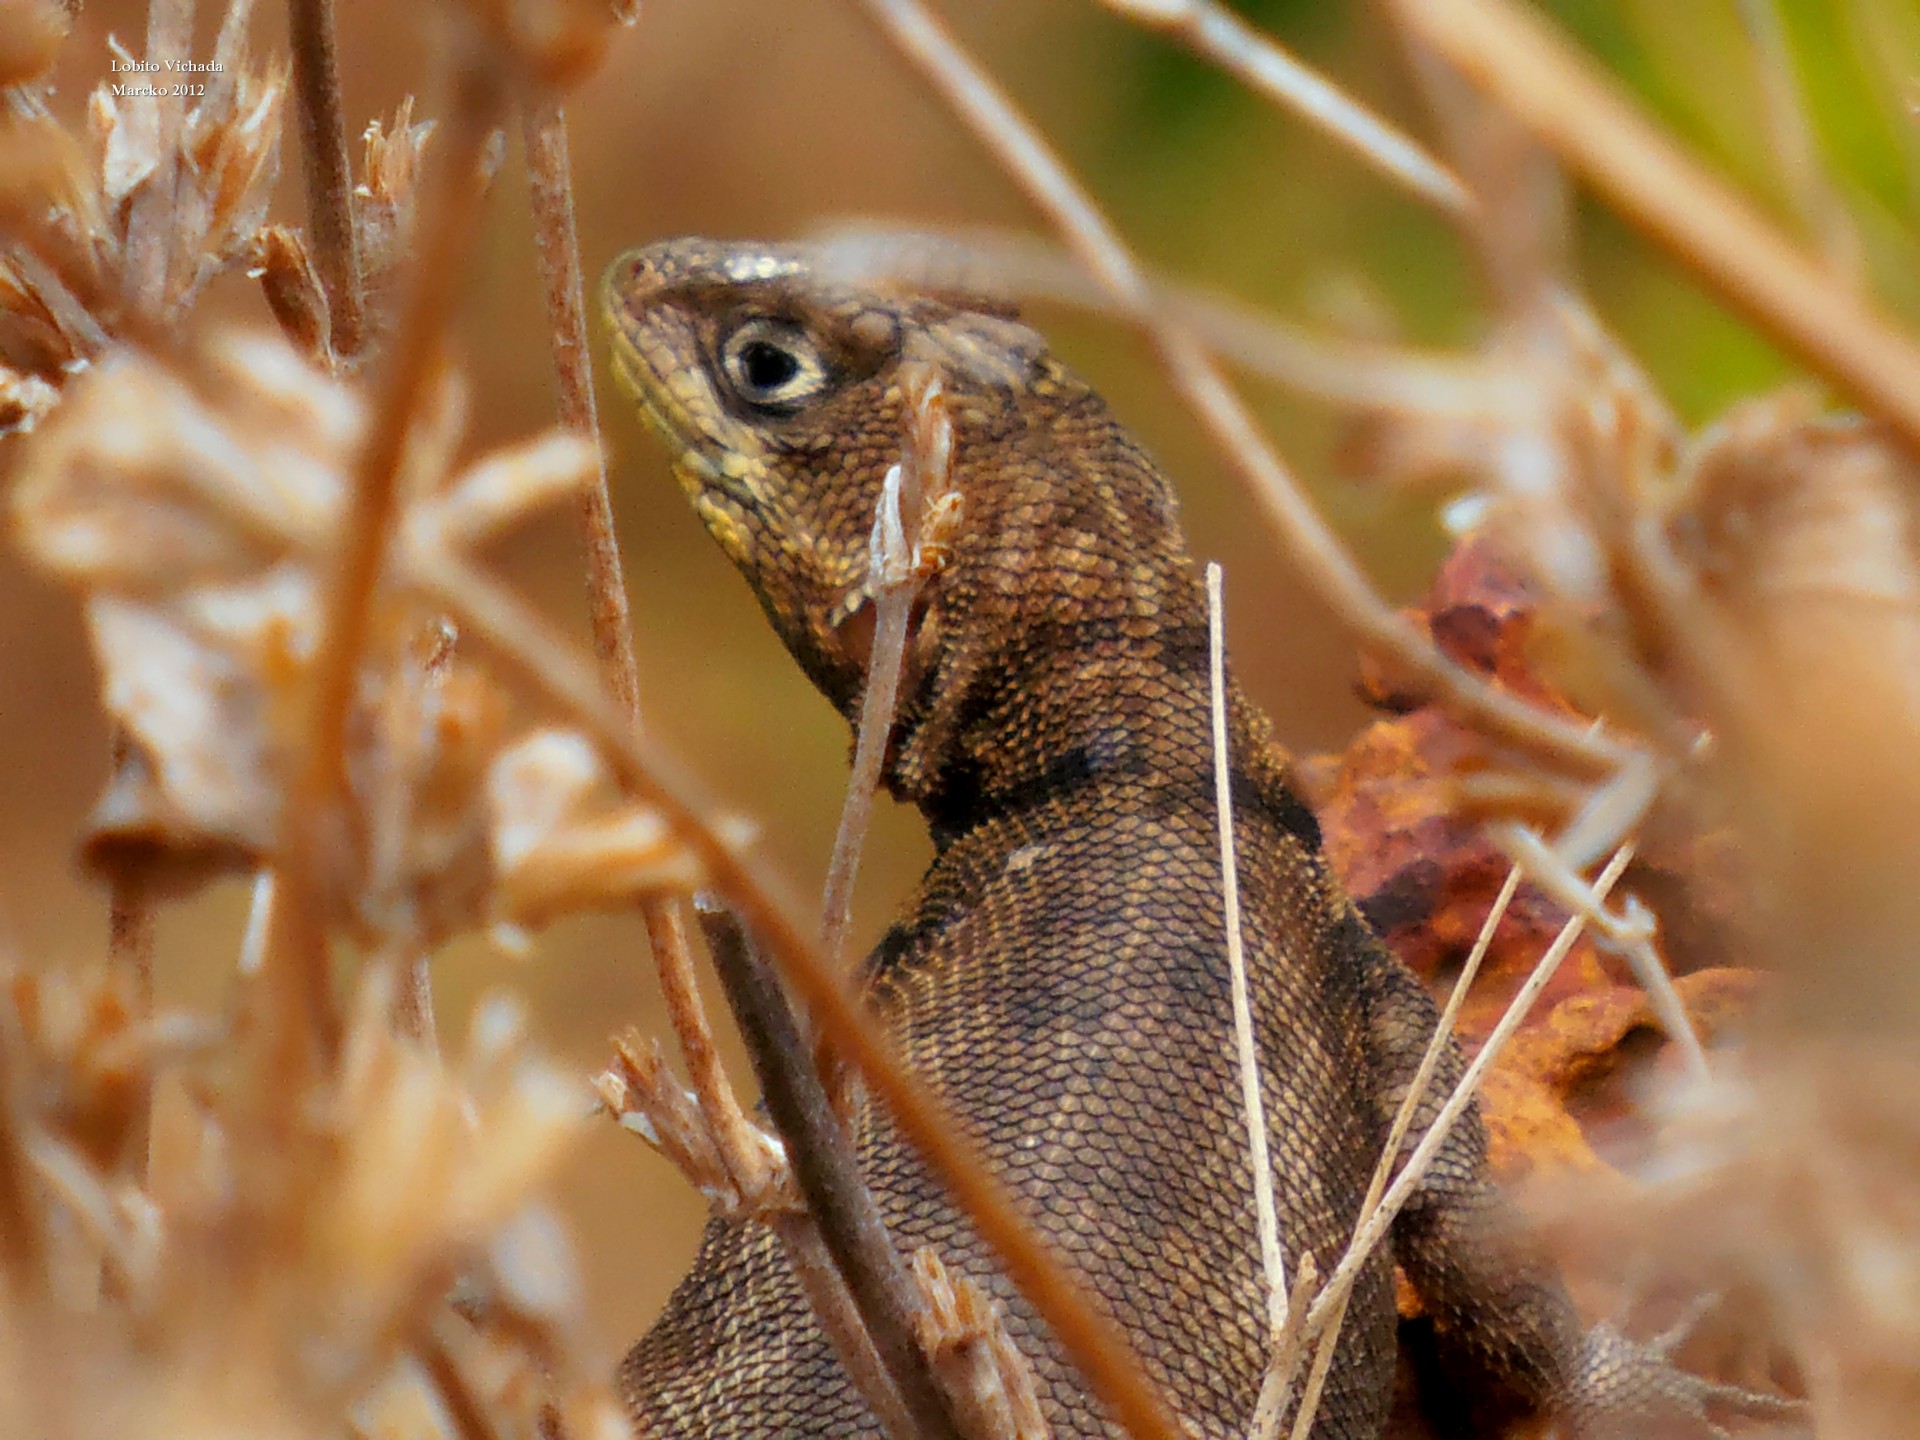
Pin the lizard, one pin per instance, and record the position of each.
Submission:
(1060, 976)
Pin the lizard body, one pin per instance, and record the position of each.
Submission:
(1060, 977)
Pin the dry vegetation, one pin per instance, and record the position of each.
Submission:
(299, 1213)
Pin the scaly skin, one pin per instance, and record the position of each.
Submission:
(1060, 977)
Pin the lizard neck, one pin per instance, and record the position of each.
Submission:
(1076, 711)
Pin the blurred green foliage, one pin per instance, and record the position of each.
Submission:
(1178, 157)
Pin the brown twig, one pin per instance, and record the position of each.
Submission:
(464, 1407)
(1559, 95)
(329, 177)
(304, 1025)
(733, 1132)
(1027, 159)
(413, 1001)
(130, 920)
(827, 1290)
(702, 1131)
(839, 1316)
(557, 252)
(821, 1152)
(739, 1150)
(23, 1241)
(522, 638)
(557, 248)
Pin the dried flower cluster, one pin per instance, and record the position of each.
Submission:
(200, 1232)
(198, 534)
(253, 1266)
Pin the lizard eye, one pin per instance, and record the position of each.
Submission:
(772, 365)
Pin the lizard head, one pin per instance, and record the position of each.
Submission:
(782, 393)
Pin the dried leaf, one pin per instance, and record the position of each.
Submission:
(197, 517)
(293, 290)
(565, 839)
(1402, 810)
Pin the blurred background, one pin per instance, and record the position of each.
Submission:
(764, 118)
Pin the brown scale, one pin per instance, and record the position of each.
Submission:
(1060, 978)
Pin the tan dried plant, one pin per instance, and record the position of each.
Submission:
(212, 1226)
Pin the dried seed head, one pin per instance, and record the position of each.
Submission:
(66, 280)
(229, 161)
(265, 1289)
(1798, 538)
(565, 839)
(197, 517)
(387, 195)
(220, 165)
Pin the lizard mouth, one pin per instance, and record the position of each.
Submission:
(692, 448)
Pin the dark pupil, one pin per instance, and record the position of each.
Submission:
(767, 366)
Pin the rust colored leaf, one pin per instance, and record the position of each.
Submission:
(1401, 810)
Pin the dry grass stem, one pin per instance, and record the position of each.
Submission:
(550, 181)
(557, 250)
(915, 493)
(1272, 1262)
(130, 918)
(1631, 934)
(833, 1306)
(1793, 144)
(742, 1149)
(1333, 1319)
(329, 179)
(1322, 1366)
(986, 111)
(1416, 1095)
(755, 1167)
(742, 1170)
(150, 231)
(827, 1170)
(1547, 86)
(1330, 1304)
(413, 1004)
(253, 940)
(1285, 1355)
(1260, 63)
(1352, 374)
